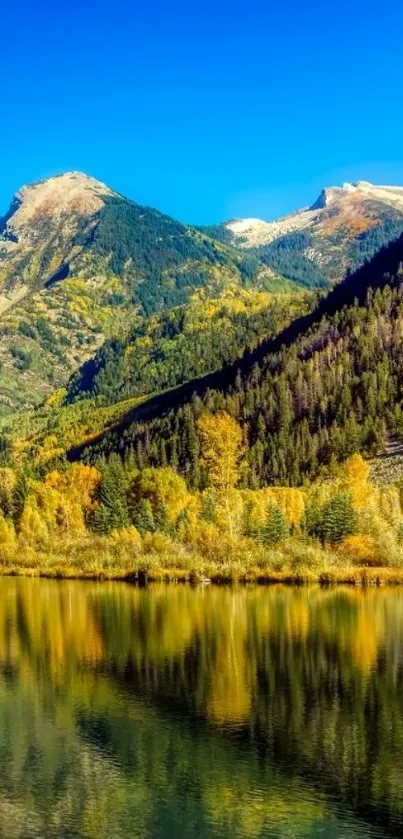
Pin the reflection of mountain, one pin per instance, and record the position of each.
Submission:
(118, 719)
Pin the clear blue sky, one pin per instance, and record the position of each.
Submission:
(205, 110)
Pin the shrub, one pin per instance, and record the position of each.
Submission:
(359, 549)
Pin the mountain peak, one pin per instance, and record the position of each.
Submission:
(331, 193)
(361, 190)
(69, 194)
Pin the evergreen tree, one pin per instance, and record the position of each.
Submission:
(208, 508)
(100, 521)
(276, 528)
(338, 519)
(19, 497)
(161, 517)
(183, 525)
(113, 512)
(143, 517)
(247, 527)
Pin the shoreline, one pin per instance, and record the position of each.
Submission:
(362, 577)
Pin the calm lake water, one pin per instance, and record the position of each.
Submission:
(209, 713)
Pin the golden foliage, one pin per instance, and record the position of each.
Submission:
(160, 485)
(79, 483)
(355, 479)
(389, 504)
(222, 449)
(7, 534)
(359, 548)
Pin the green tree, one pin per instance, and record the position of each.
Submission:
(208, 507)
(112, 513)
(161, 517)
(143, 517)
(338, 519)
(276, 528)
(19, 497)
(101, 520)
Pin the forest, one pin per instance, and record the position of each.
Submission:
(161, 259)
(116, 520)
(179, 344)
(257, 471)
(331, 388)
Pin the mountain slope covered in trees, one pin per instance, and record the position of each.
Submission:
(80, 264)
(171, 347)
(331, 384)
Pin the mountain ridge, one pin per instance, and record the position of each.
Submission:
(318, 244)
(79, 262)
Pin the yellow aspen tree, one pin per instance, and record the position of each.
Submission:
(355, 478)
(33, 529)
(222, 451)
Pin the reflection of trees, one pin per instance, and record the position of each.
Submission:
(309, 680)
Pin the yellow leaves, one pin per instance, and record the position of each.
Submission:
(355, 474)
(78, 484)
(59, 505)
(355, 470)
(7, 534)
(129, 537)
(389, 504)
(54, 265)
(160, 544)
(160, 485)
(7, 480)
(33, 530)
(291, 502)
(222, 449)
(57, 398)
(359, 548)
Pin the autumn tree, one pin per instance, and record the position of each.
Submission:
(222, 451)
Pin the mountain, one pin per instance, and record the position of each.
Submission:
(329, 385)
(344, 227)
(171, 347)
(80, 264)
(115, 300)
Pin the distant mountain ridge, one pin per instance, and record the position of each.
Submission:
(344, 227)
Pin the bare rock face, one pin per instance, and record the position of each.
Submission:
(340, 230)
(60, 199)
(345, 200)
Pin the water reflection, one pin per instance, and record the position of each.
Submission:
(207, 713)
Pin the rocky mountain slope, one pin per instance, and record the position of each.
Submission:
(344, 227)
(80, 263)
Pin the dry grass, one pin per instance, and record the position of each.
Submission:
(106, 558)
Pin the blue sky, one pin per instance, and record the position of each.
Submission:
(205, 110)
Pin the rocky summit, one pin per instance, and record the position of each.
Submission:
(343, 228)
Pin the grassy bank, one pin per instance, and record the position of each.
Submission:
(120, 558)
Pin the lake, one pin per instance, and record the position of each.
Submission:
(201, 712)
